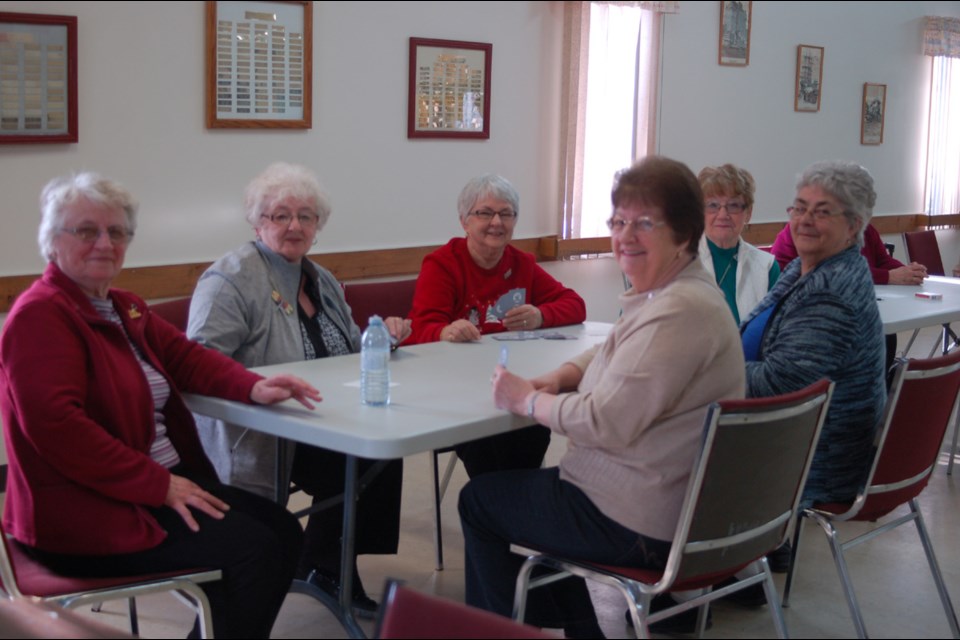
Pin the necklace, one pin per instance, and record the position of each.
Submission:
(733, 261)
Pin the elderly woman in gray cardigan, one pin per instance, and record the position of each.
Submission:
(266, 303)
(821, 319)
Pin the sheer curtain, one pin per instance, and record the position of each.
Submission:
(609, 114)
(942, 42)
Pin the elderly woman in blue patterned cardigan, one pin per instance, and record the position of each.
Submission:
(821, 319)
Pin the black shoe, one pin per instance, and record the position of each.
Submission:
(752, 596)
(685, 622)
(779, 558)
(363, 606)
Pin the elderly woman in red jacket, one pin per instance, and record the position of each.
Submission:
(478, 285)
(106, 473)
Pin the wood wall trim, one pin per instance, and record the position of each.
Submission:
(175, 280)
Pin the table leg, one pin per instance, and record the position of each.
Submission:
(342, 609)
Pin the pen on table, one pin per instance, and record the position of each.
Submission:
(504, 354)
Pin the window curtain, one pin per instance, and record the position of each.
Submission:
(575, 60)
(941, 41)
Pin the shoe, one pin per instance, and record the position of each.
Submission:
(779, 558)
(685, 622)
(752, 596)
(363, 606)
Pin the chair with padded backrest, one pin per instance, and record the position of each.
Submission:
(740, 504)
(920, 402)
(395, 298)
(175, 311)
(23, 577)
(922, 247)
(410, 614)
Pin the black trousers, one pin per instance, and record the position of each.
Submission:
(520, 449)
(256, 546)
(320, 473)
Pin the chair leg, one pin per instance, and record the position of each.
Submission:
(953, 445)
(788, 583)
(770, 590)
(935, 569)
(838, 559)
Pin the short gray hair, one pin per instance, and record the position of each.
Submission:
(849, 183)
(60, 193)
(282, 180)
(487, 185)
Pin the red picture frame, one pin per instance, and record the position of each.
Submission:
(38, 78)
(449, 92)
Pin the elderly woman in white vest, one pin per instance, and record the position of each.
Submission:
(743, 272)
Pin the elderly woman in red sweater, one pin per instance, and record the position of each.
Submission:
(106, 473)
(478, 285)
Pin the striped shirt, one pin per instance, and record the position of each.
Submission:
(162, 450)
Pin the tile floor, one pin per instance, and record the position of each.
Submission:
(890, 574)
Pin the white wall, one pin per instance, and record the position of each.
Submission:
(141, 122)
(141, 117)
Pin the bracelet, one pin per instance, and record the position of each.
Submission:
(532, 403)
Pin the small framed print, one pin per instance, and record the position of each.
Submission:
(259, 59)
(38, 78)
(449, 91)
(809, 78)
(873, 113)
(735, 22)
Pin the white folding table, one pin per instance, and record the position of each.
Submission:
(440, 397)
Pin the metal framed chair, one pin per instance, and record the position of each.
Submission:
(22, 577)
(906, 451)
(740, 504)
(410, 614)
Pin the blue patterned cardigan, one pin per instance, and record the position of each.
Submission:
(827, 324)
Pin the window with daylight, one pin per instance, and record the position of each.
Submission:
(612, 57)
(942, 42)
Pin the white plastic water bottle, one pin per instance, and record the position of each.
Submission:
(375, 363)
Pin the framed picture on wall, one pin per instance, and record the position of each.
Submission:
(735, 20)
(872, 113)
(38, 78)
(809, 78)
(449, 91)
(259, 64)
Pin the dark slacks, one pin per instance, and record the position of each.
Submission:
(538, 509)
(320, 473)
(520, 449)
(256, 546)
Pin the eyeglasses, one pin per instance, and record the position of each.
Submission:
(733, 208)
(506, 215)
(797, 212)
(90, 233)
(643, 224)
(283, 217)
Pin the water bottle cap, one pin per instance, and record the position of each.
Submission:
(375, 319)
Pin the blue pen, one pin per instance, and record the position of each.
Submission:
(504, 353)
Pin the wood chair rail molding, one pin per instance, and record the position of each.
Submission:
(174, 280)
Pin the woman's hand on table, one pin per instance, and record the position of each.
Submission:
(283, 387)
(460, 331)
(510, 391)
(399, 328)
(183, 494)
(912, 273)
(526, 317)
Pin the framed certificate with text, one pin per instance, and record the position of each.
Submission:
(38, 78)
(449, 92)
(259, 65)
